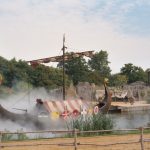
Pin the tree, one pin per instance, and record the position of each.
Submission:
(9, 72)
(3, 69)
(118, 80)
(48, 77)
(76, 69)
(94, 77)
(133, 73)
(14, 71)
(99, 62)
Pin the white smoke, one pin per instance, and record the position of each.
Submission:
(21, 101)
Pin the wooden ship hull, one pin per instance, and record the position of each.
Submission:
(22, 119)
(74, 107)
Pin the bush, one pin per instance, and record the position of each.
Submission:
(91, 123)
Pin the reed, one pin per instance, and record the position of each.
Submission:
(91, 123)
(6, 137)
(21, 137)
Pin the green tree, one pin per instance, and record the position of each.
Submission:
(14, 71)
(99, 62)
(3, 69)
(133, 73)
(10, 73)
(95, 77)
(48, 77)
(118, 80)
(76, 69)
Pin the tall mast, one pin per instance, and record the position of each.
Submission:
(63, 49)
(62, 59)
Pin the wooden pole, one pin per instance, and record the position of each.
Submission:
(75, 139)
(141, 138)
(63, 49)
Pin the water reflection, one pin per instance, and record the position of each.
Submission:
(131, 120)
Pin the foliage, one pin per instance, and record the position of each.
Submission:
(14, 71)
(95, 77)
(6, 137)
(93, 71)
(91, 123)
(76, 69)
(19, 75)
(133, 73)
(49, 77)
(118, 80)
(21, 136)
(99, 62)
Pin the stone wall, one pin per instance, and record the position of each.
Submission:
(139, 90)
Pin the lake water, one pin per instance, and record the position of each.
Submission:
(131, 120)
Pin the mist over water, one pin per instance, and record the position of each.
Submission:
(18, 103)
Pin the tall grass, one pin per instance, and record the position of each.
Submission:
(22, 136)
(91, 123)
(6, 137)
(9, 137)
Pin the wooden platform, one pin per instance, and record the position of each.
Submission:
(126, 106)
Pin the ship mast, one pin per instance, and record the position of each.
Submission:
(63, 62)
(63, 58)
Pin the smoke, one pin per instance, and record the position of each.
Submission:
(21, 101)
(10, 126)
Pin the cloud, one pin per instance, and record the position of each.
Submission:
(33, 29)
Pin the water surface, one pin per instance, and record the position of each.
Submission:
(131, 120)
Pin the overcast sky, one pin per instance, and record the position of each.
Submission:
(32, 29)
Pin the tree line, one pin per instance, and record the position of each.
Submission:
(93, 70)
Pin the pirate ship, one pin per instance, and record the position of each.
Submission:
(61, 108)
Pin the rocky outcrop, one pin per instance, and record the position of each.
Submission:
(139, 90)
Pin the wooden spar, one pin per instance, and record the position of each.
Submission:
(20, 109)
(67, 57)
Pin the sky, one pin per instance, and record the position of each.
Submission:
(32, 29)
